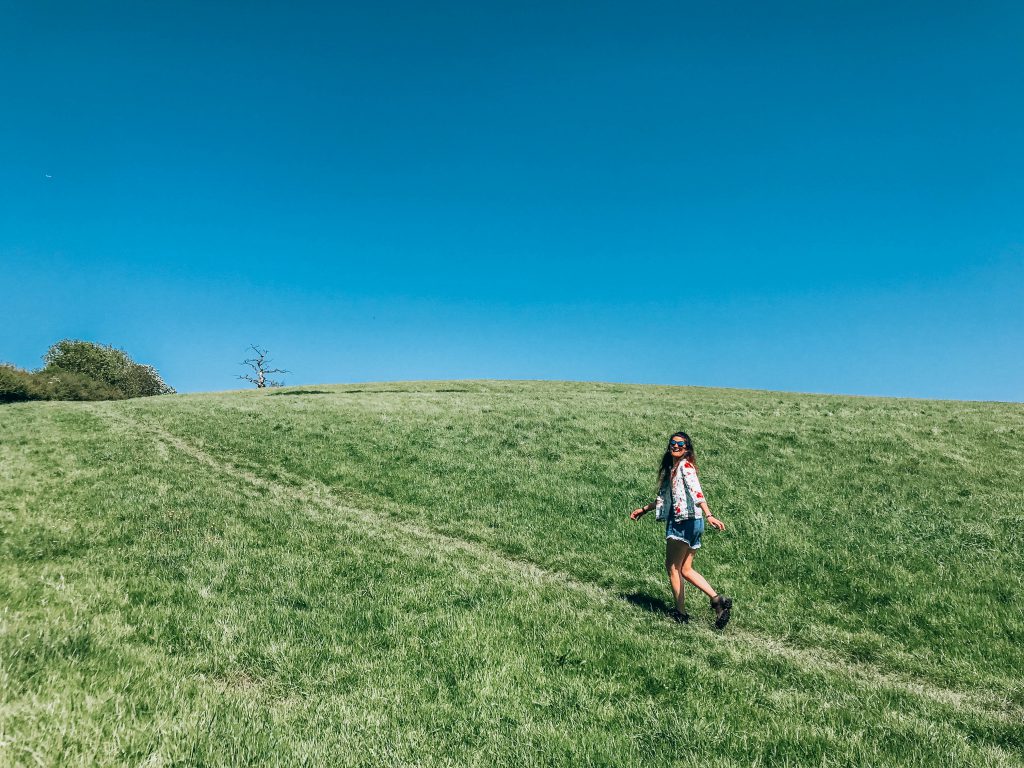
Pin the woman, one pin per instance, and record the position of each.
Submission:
(681, 503)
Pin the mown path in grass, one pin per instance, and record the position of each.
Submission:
(173, 600)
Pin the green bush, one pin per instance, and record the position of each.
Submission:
(143, 381)
(108, 365)
(81, 370)
(59, 384)
(97, 361)
(17, 385)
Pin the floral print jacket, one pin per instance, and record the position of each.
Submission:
(684, 496)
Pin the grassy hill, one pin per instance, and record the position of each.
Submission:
(443, 573)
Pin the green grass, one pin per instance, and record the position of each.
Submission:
(442, 573)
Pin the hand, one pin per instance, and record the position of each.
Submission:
(637, 513)
(714, 522)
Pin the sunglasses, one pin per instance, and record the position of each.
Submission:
(676, 443)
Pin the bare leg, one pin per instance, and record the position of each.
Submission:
(688, 573)
(675, 555)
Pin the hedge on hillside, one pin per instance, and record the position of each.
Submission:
(106, 364)
(17, 385)
(81, 370)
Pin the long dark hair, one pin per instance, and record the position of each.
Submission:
(666, 460)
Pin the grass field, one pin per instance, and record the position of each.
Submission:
(443, 573)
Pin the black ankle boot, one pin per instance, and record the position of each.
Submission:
(723, 608)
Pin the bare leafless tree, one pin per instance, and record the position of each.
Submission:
(259, 367)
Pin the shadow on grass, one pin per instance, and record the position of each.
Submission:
(301, 392)
(647, 603)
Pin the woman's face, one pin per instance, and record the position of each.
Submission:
(677, 446)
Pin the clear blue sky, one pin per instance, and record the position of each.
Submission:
(803, 196)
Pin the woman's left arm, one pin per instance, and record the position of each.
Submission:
(693, 483)
(713, 521)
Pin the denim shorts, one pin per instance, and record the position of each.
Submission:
(688, 531)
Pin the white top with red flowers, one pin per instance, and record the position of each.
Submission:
(682, 495)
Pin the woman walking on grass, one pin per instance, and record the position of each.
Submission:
(681, 503)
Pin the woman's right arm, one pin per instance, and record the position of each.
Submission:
(639, 512)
